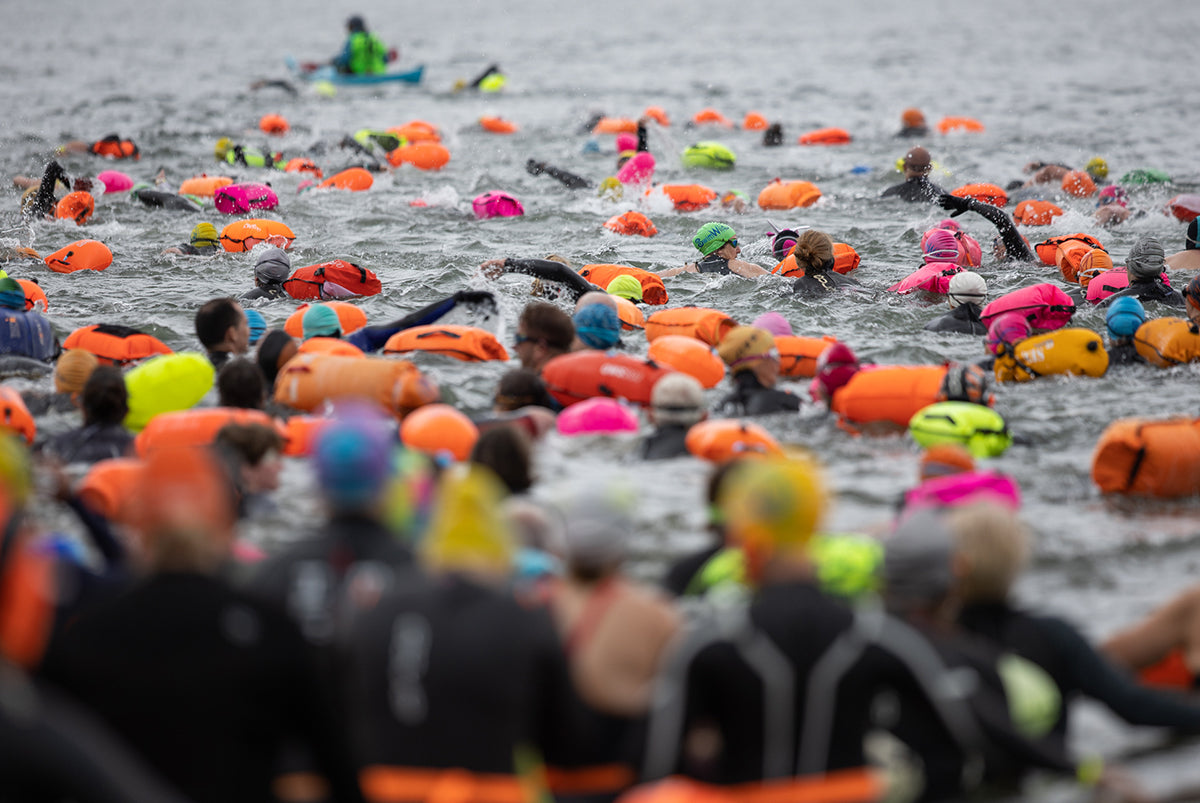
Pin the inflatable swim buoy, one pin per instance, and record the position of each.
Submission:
(15, 416)
(330, 345)
(969, 124)
(497, 125)
(165, 383)
(35, 296)
(1075, 352)
(615, 125)
(199, 427)
(689, 356)
(689, 197)
(80, 255)
(1036, 213)
(301, 434)
(753, 121)
(1047, 250)
(243, 235)
(1141, 457)
(273, 124)
(1168, 341)
(308, 381)
(1045, 306)
(580, 375)
(77, 206)
(1105, 284)
(301, 164)
(354, 179)
(798, 355)
(204, 185)
(707, 325)
(632, 318)
(1068, 258)
(638, 169)
(711, 117)
(987, 193)
(110, 489)
(788, 195)
(979, 429)
(598, 416)
(631, 223)
(116, 345)
(933, 277)
(845, 259)
(334, 279)
(115, 181)
(421, 155)
(722, 440)
(1184, 207)
(466, 343)
(967, 487)
(351, 318)
(113, 147)
(496, 204)
(1079, 184)
(654, 292)
(236, 199)
(888, 393)
(825, 136)
(658, 114)
(417, 131)
(438, 429)
(711, 155)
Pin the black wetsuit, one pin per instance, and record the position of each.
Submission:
(713, 264)
(451, 673)
(665, 443)
(204, 681)
(190, 250)
(219, 358)
(373, 338)
(822, 281)
(44, 201)
(1124, 352)
(551, 271)
(913, 131)
(918, 189)
(749, 397)
(679, 576)
(162, 199)
(1015, 247)
(964, 319)
(90, 443)
(1152, 289)
(1076, 667)
(271, 291)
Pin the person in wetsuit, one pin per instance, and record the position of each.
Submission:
(1189, 257)
(719, 245)
(1145, 266)
(912, 124)
(676, 404)
(222, 329)
(814, 256)
(24, 332)
(203, 241)
(1122, 320)
(271, 270)
(916, 187)
(754, 362)
(965, 295)
(1012, 246)
(576, 182)
(105, 403)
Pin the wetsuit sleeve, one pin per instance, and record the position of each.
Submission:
(552, 271)
(1014, 244)
(568, 179)
(373, 338)
(1096, 677)
(643, 139)
(43, 202)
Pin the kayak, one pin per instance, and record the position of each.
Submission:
(326, 72)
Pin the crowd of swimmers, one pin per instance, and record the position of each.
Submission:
(440, 632)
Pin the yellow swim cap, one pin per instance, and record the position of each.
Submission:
(468, 530)
(773, 505)
(625, 287)
(1097, 167)
(611, 188)
(222, 148)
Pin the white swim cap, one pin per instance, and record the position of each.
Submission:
(966, 286)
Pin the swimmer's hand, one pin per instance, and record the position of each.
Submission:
(481, 297)
(533, 167)
(493, 268)
(955, 205)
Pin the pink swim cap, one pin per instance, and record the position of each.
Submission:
(774, 323)
(626, 142)
(941, 247)
(639, 169)
(496, 204)
(949, 224)
(835, 367)
(115, 181)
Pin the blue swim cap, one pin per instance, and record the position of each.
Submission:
(321, 321)
(598, 326)
(1124, 316)
(353, 457)
(258, 325)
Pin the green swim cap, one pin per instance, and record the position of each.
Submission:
(321, 321)
(712, 236)
(626, 287)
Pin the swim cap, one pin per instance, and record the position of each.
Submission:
(944, 459)
(835, 367)
(625, 286)
(678, 399)
(966, 286)
(941, 246)
(1146, 258)
(1189, 241)
(626, 142)
(774, 323)
(1092, 264)
(744, 345)
(783, 243)
(598, 326)
(72, 370)
(273, 266)
(1124, 316)
(949, 224)
(772, 505)
(12, 295)
(712, 236)
(965, 382)
(918, 561)
(1097, 167)
(258, 325)
(1079, 184)
(221, 149)
(912, 118)
(204, 235)
(917, 159)
(1112, 194)
(598, 526)
(469, 529)
(1006, 331)
(352, 456)
(321, 321)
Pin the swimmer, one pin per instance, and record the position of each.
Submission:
(231, 153)
(71, 372)
(1191, 293)
(104, 403)
(256, 454)
(719, 245)
(597, 326)
(554, 269)
(521, 388)
(916, 187)
(754, 362)
(676, 404)
(543, 333)
(223, 330)
(1011, 246)
(372, 338)
(274, 350)
(240, 384)
(814, 255)
(507, 450)
(24, 333)
(271, 270)
(1145, 266)
(535, 168)
(203, 242)
(912, 124)
(39, 199)
(112, 146)
(1189, 257)
(364, 53)
(1112, 207)
(966, 295)
(1122, 320)
(490, 79)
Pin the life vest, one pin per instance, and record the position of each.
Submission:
(969, 124)
(689, 197)
(708, 325)
(416, 131)
(350, 317)
(963, 489)
(1036, 213)
(114, 344)
(712, 155)
(615, 125)
(80, 255)
(632, 317)
(166, 383)
(1107, 283)
(689, 356)
(1167, 341)
(204, 185)
(336, 279)
(425, 155)
(199, 427)
(798, 355)
(631, 223)
(27, 334)
(330, 345)
(110, 489)
(825, 136)
(497, 125)
(367, 54)
(1142, 457)
(845, 259)
(35, 296)
(654, 292)
(711, 117)
(307, 381)
(888, 393)
(1045, 306)
(987, 193)
(724, 439)
(1068, 256)
(583, 375)
(1076, 352)
(15, 416)
(113, 147)
(243, 235)
(979, 429)
(466, 343)
(788, 194)
(235, 199)
(301, 164)
(1047, 250)
(933, 277)
(354, 179)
